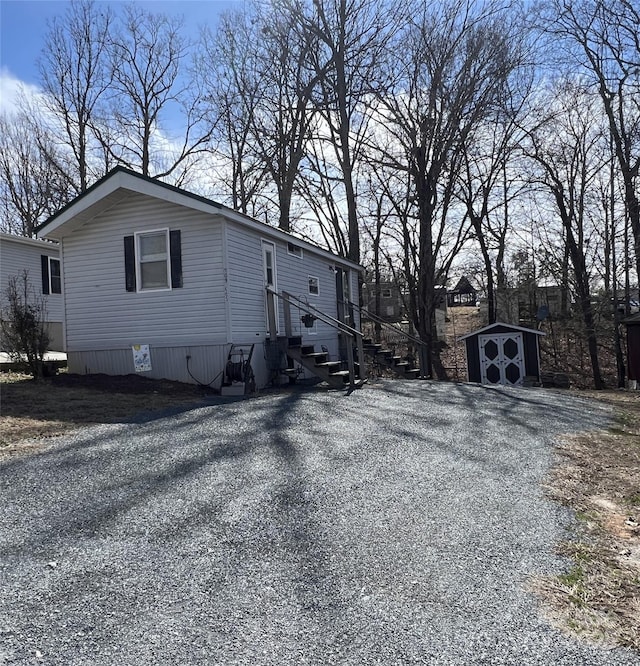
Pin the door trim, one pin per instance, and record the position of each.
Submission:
(501, 361)
(269, 248)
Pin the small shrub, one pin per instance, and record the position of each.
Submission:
(23, 324)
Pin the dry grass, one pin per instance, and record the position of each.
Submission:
(598, 476)
(34, 411)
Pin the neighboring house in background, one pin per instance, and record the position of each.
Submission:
(41, 260)
(633, 303)
(149, 264)
(526, 305)
(391, 306)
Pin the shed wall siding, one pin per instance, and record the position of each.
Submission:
(530, 342)
(102, 315)
(473, 359)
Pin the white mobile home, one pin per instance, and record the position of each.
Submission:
(149, 267)
(41, 260)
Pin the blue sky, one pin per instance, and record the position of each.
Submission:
(23, 24)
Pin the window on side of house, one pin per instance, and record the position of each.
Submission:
(295, 250)
(385, 293)
(153, 260)
(55, 277)
(152, 265)
(314, 286)
(51, 275)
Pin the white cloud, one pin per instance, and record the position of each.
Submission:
(13, 89)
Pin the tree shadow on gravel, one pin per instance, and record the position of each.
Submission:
(221, 503)
(534, 410)
(100, 484)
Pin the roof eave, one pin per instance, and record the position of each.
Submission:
(120, 183)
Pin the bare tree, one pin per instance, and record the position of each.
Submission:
(271, 76)
(232, 93)
(75, 76)
(601, 38)
(351, 36)
(147, 54)
(567, 147)
(453, 62)
(487, 185)
(284, 117)
(31, 187)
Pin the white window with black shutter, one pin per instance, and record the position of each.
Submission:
(153, 260)
(51, 275)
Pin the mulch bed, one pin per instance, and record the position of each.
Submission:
(128, 384)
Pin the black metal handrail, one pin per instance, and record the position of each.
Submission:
(356, 335)
(378, 320)
(385, 324)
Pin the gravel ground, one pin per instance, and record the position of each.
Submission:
(397, 525)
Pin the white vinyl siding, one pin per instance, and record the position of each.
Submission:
(102, 315)
(246, 288)
(18, 254)
(246, 284)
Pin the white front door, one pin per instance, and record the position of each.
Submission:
(502, 358)
(270, 276)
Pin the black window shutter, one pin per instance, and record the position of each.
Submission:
(176, 258)
(130, 263)
(44, 262)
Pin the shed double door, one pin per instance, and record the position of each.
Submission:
(502, 358)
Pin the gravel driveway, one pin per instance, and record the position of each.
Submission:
(397, 525)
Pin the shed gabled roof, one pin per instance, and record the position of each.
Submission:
(120, 183)
(499, 323)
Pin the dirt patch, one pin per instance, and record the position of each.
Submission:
(460, 321)
(598, 476)
(34, 411)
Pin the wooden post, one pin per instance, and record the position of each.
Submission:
(271, 316)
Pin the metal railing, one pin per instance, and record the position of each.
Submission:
(352, 335)
(398, 335)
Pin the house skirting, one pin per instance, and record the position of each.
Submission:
(206, 363)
